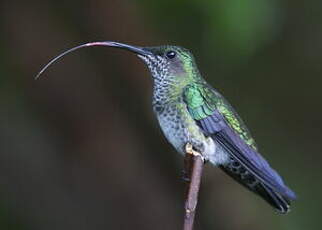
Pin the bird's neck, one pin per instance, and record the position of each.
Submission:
(165, 93)
(169, 90)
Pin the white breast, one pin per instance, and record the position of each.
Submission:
(174, 130)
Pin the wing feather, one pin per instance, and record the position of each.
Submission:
(217, 119)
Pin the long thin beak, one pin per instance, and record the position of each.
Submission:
(134, 49)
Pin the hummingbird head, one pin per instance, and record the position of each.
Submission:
(170, 63)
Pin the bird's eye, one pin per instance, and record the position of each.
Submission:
(171, 54)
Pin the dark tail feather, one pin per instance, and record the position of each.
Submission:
(276, 200)
(279, 202)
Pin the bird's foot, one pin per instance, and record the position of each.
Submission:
(190, 150)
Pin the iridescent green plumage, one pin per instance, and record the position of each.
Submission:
(202, 101)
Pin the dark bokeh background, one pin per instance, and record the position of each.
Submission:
(80, 148)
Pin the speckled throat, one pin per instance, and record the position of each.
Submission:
(164, 90)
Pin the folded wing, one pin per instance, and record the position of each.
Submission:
(217, 119)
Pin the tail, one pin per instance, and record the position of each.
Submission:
(280, 202)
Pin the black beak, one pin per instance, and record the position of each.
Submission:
(137, 50)
(134, 49)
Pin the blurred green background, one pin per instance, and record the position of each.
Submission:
(81, 149)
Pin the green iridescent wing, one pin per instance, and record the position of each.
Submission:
(202, 101)
(217, 119)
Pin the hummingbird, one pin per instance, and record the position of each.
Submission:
(189, 110)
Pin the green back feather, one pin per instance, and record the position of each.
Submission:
(202, 101)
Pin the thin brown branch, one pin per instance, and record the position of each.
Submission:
(193, 167)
